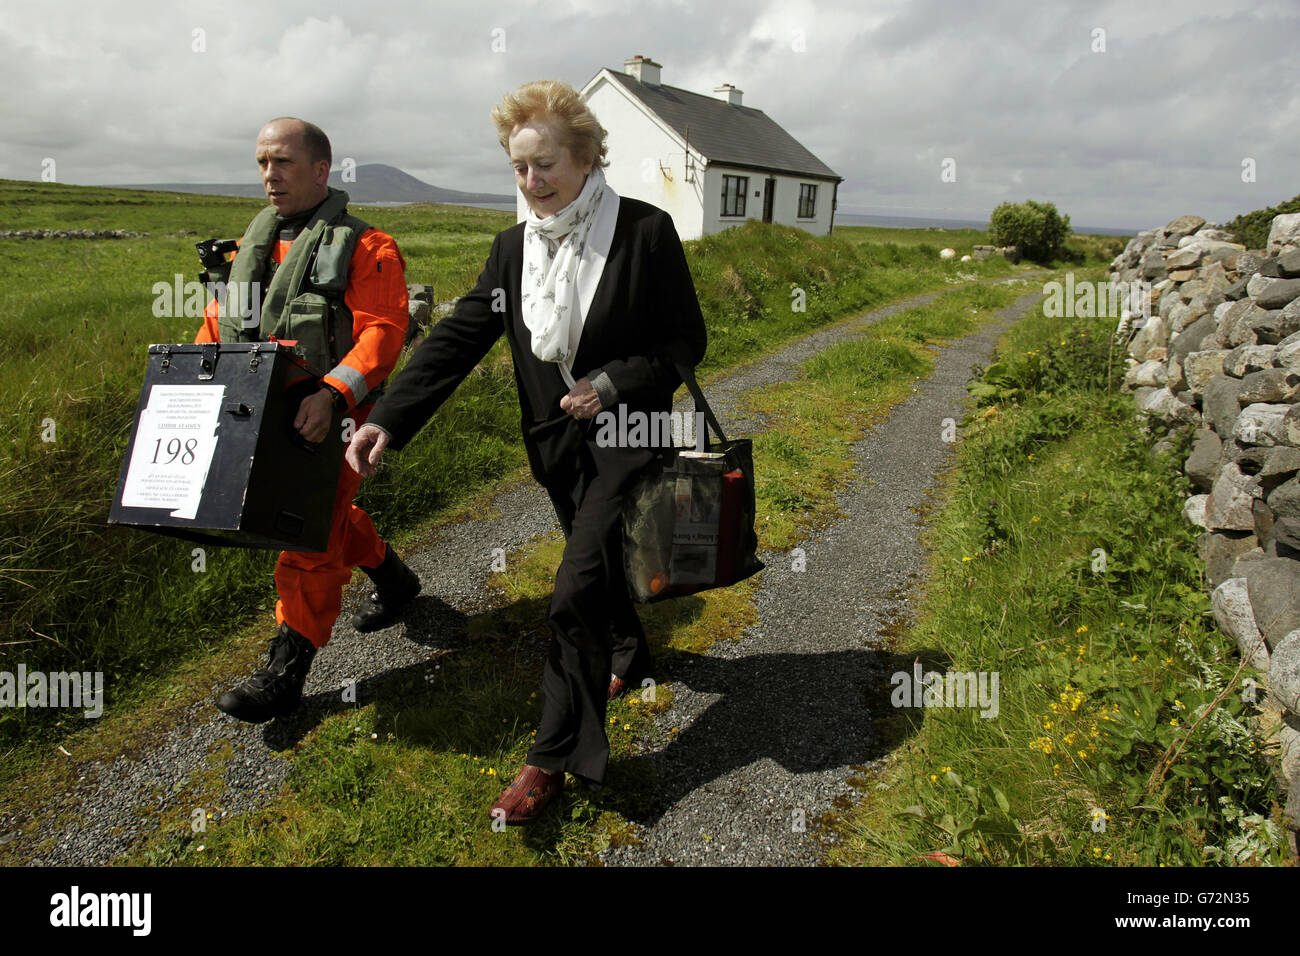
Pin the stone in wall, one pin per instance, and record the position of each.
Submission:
(1284, 671)
(1155, 334)
(1273, 585)
(1203, 463)
(1281, 462)
(1200, 367)
(1279, 294)
(1232, 612)
(1284, 234)
(1245, 359)
(1287, 355)
(1262, 423)
(1220, 551)
(1220, 405)
(1228, 507)
(1268, 385)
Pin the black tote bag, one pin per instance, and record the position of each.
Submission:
(688, 520)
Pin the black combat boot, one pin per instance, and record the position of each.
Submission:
(275, 690)
(396, 586)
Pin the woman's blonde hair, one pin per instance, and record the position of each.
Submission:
(559, 105)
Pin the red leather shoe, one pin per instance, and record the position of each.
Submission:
(617, 686)
(524, 800)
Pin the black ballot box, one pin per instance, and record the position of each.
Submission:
(214, 456)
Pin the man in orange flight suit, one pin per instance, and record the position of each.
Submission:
(294, 158)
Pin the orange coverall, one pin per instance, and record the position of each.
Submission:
(310, 585)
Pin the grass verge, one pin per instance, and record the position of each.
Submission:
(1060, 562)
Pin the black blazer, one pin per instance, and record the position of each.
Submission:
(644, 314)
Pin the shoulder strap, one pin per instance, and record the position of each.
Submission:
(243, 297)
(332, 256)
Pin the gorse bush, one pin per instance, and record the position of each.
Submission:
(1037, 228)
(1251, 228)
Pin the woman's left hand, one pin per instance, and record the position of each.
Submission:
(582, 400)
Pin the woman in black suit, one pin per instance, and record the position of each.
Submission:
(594, 296)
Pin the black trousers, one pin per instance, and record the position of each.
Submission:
(595, 630)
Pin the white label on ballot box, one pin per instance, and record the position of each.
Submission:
(174, 442)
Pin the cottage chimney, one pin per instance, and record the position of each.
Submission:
(643, 69)
(729, 93)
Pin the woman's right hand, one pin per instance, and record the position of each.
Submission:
(368, 445)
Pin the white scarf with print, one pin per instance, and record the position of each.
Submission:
(559, 282)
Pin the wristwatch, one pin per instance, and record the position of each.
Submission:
(340, 400)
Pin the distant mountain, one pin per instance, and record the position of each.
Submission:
(375, 182)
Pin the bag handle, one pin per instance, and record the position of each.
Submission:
(701, 405)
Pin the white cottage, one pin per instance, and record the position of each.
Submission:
(708, 160)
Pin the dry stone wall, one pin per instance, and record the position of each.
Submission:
(1220, 353)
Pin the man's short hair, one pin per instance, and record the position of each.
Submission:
(317, 143)
(314, 139)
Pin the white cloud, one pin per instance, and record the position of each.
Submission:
(1154, 127)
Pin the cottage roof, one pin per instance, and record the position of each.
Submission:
(727, 134)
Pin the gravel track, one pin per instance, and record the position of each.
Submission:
(769, 724)
(773, 725)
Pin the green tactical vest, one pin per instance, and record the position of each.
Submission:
(304, 299)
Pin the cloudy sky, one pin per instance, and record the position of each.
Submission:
(1123, 113)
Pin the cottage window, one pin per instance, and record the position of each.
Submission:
(807, 201)
(733, 195)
